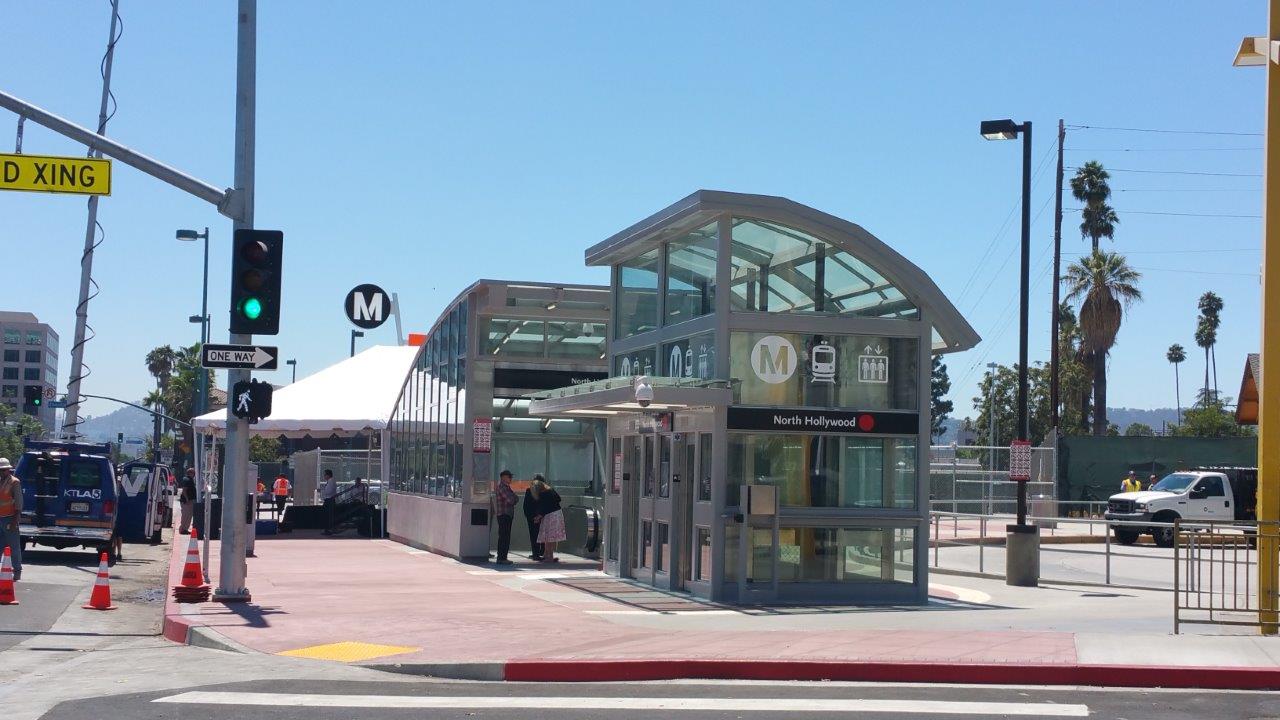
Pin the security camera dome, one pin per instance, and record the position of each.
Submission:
(644, 391)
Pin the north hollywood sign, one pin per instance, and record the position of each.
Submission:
(834, 421)
(531, 379)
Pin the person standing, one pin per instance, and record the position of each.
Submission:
(187, 500)
(280, 489)
(532, 516)
(1151, 481)
(551, 528)
(504, 509)
(328, 495)
(1130, 483)
(10, 515)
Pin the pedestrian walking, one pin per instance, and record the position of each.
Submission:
(531, 516)
(504, 509)
(187, 500)
(328, 495)
(10, 515)
(280, 489)
(551, 525)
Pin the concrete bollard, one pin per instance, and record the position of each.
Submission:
(1022, 555)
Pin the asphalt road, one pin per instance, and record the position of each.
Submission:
(51, 579)
(312, 700)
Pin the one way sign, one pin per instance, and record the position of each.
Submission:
(239, 357)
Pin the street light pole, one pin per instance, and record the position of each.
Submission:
(293, 365)
(202, 380)
(1022, 545)
(355, 334)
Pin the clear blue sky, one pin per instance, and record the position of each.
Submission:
(424, 145)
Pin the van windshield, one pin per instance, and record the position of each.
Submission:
(1175, 483)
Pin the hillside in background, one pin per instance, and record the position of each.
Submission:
(1120, 416)
(134, 423)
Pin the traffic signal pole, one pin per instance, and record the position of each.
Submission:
(231, 569)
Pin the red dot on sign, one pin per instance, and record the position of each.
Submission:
(866, 423)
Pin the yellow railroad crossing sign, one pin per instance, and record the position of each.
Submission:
(43, 173)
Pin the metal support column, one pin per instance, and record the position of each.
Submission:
(232, 569)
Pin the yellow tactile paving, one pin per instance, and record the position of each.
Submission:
(348, 651)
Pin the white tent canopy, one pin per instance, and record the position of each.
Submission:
(352, 397)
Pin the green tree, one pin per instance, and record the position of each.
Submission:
(999, 395)
(1176, 355)
(1210, 306)
(264, 449)
(1105, 285)
(1075, 383)
(14, 426)
(939, 386)
(1090, 186)
(1139, 429)
(1206, 336)
(177, 375)
(1209, 418)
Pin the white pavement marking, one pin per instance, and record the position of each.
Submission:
(776, 705)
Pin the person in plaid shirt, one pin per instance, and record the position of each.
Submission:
(504, 502)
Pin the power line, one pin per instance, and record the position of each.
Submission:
(1163, 131)
(1180, 214)
(1177, 252)
(1195, 190)
(1177, 172)
(1196, 272)
(1201, 149)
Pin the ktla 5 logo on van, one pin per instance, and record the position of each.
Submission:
(773, 359)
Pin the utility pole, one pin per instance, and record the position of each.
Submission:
(232, 570)
(71, 416)
(1057, 280)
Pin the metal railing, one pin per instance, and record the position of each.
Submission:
(1215, 569)
(991, 532)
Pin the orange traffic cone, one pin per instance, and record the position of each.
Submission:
(101, 597)
(7, 597)
(192, 575)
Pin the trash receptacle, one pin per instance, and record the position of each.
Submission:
(1044, 506)
(215, 513)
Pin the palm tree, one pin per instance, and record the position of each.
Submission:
(1176, 355)
(1090, 186)
(1106, 285)
(1206, 336)
(1211, 309)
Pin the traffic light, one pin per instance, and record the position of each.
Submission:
(255, 282)
(33, 395)
(251, 400)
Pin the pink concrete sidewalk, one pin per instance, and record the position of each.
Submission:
(438, 612)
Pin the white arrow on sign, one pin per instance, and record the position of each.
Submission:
(239, 356)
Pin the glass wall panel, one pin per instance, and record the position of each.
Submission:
(636, 362)
(860, 372)
(691, 274)
(838, 471)
(575, 339)
(638, 294)
(776, 268)
(646, 544)
(702, 555)
(572, 466)
(704, 468)
(514, 338)
(836, 555)
(691, 357)
(662, 552)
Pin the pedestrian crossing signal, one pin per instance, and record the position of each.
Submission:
(251, 400)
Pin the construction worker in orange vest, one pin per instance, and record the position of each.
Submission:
(10, 514)
(281, 489)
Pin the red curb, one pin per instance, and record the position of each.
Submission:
(1217, 678)
(177, 627)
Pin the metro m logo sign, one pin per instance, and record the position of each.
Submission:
(773, 359)
(367, 306)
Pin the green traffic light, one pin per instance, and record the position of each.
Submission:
(251, 308)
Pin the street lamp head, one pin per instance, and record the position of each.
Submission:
(290, 362)
(999, 129)
(357, 333)
(190, 235)
(195, 319)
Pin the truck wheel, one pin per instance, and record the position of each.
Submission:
(1125, 536)
(1163, 535)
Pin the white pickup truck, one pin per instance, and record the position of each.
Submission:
(1209, 495)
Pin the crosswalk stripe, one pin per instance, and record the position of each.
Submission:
(775, 705)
